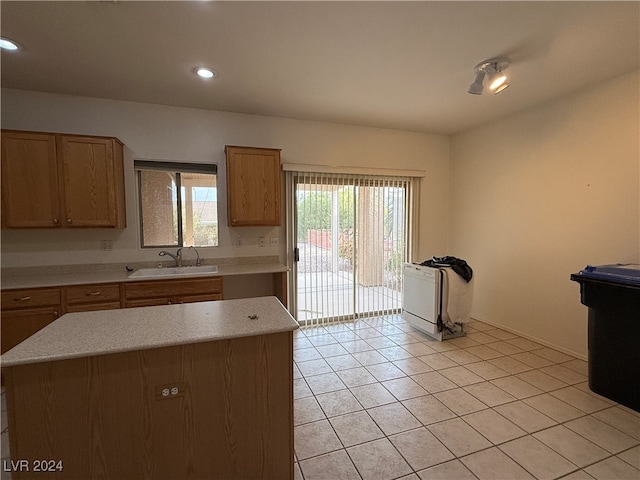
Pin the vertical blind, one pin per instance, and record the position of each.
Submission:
(350, 234)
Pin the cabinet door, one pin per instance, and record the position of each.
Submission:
(18, 325)
(149, 302)
(163, 292)
(172, 288)
(92, 307)
(25, 311)
(30, 196)
(253, 186)
(87, 169)
(198, 298)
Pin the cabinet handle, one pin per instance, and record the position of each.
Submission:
(68, 220)
(55, 313)
(22, 299)
(93, 294)
(169, 302)
(56, 221)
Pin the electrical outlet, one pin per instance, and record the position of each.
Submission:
(171, 390)
(106, 244)
(261, 242)
(274, 241)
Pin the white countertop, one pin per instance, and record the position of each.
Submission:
(86, 334)
(89, 277)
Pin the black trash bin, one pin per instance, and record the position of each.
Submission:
(612, 293)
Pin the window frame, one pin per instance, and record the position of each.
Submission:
(177, 169)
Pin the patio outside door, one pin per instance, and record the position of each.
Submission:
(351, 241)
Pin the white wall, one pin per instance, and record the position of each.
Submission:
(193, 135)
(527, 200)
(539, 195)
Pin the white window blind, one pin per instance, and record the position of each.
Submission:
(350, 234)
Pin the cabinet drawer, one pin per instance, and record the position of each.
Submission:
(80, 294)
(172, 288)
(27, 298)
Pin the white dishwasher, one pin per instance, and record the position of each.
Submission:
(436, 301)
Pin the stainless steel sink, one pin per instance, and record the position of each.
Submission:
(174, 271)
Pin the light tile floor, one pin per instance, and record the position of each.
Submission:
(376, 399)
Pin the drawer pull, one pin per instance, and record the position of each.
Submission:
(93, 294)
(22, 299)
(56, 313)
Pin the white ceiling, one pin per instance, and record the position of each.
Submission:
(402, 65)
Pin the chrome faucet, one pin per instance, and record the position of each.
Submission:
(177, 257)
(198, 259)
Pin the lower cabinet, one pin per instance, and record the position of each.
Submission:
(18, 325)
(86, 298)
(166, 292)
(26, 311)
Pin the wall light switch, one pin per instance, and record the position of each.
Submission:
(274, 241)
(106, 244)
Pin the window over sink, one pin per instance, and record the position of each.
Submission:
(178, 204)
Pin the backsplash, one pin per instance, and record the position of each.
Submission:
(116, 267)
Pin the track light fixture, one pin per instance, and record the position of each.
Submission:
(494, 70)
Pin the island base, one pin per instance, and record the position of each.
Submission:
(216, 410)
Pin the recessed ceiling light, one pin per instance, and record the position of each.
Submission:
(7, 44)
(205, 72)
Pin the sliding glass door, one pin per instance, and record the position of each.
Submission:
(351, 237)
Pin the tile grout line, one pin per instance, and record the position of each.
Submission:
(531, 368)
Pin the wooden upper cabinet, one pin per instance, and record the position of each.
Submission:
(91, 172)
(51, 180)
(253, 186)
(30, 193)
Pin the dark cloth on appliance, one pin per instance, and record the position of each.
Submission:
(457, 265)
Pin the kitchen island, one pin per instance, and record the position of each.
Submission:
(200, 390)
